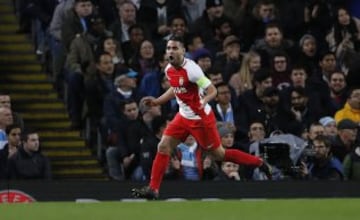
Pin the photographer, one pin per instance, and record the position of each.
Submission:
(323, 166)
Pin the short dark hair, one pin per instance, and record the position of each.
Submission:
(25, 134)
(324, 139)
(9, 128)
(177, 38)
(99, 54)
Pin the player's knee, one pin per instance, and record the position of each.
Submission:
(218, 154)
(164, 148)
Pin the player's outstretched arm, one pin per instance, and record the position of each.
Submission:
(166, 96)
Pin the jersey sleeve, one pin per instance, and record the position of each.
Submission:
(196, 75)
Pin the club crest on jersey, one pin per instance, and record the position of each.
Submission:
(181, 81)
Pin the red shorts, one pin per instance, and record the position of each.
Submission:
(204, 130)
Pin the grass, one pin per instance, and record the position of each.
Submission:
(277, 209)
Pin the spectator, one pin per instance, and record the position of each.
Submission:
(338, 91)
(195, 163)
(144, 60)
(309, 53)
(320, 80)
(178, 27)
(352, 165)
(351, 107)
(304, 110)
(280, 74)
(229, 61)
(242, 80)
(131, 46)
(192, 42)
(204, 24)
(315, 129)
(127, 18)
(324, 166)
(6, 119)
(5, 101)
(75, 21)
(125, 90)
(97, 86)
(263, 13)
(136, 130)
(193, 9)
(344, 36)
(329, 124)
(272, 43)
(80, 64)
(158, 15)
(222, 27)
(345, 140)
(229, 171)
(203, 58)
(58, 54)
(250, 102)
(111, 46)
(13, 133)
(118, 155)
(28, 162)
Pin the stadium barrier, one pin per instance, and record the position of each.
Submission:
(27, 191)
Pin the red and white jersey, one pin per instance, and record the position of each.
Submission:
(188, 85)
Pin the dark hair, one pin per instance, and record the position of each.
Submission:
(339, 28)
(100, 45)
(178, 39)
(136, 26)
(126, 102)
(273, 25)
(323, 139)
(25, 134)
(100, 53)
(325, 53)
(9, 128)
(299, 90)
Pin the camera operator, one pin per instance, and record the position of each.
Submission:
(323, 166)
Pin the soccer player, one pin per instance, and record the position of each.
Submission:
(193, 90)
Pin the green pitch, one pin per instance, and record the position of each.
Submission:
(284, 209)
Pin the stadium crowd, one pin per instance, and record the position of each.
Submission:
(286, 72)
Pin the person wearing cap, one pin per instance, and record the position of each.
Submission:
(346, 139)
(204, 24)
(125, 89)
(351, 108)
(329, 124)
(202, 57)
(193, 91)
(308, 53)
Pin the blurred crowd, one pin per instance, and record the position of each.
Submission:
(286, 71)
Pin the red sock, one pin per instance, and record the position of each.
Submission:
(240, 157)
(159, 166)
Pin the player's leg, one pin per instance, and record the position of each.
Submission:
(235, 156)
(172, 136)
(161, 161)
